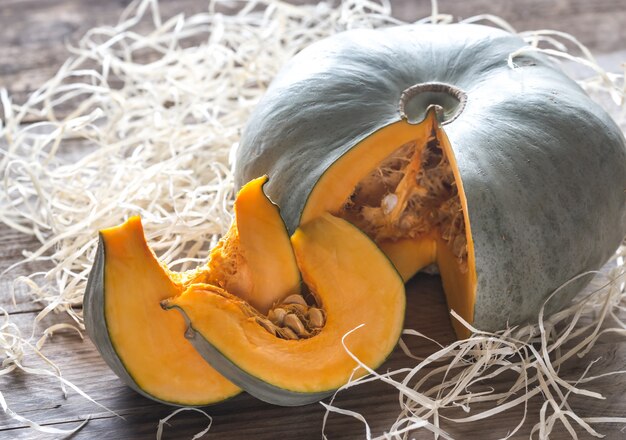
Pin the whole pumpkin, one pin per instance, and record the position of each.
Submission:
(528, 174)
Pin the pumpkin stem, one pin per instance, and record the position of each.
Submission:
(446, 100)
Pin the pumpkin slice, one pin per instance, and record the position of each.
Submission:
(336, 261)
(144, 345)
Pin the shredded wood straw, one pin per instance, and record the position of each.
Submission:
(144, 118)
(164, 421)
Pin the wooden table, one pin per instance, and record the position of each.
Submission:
(32, 35)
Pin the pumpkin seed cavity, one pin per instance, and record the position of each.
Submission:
(293, 318)
(410, 194)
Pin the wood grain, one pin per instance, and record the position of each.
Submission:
(35, 35)
(597, 24)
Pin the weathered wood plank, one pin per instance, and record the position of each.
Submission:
(243, 416)
(35, 35)
(598, 24)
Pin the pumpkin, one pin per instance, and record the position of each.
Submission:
(122, 310)
(511, 180)
(245, 312)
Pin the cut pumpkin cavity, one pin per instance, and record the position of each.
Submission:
(400, 187)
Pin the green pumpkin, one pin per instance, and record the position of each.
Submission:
(539, 168)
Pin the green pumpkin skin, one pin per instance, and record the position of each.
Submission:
(543, 166)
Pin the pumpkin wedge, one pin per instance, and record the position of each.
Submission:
(336, 262)
(254, 260)
(512, 180)
(144, 345)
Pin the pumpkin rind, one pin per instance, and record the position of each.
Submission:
(543, 166)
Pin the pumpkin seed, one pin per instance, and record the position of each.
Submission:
(294, 323)
(267, 325)
(294, 299)
(298, 309)
(389, 202)
(458, 246)
(294, 319)
(277, 315)
(316, 318)
(286, 333)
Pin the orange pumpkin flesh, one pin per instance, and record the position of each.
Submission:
(459, 286)
(227, 304)
(410, 255)
(229, 301)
